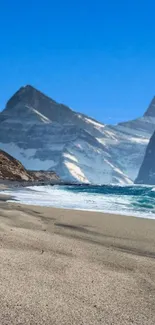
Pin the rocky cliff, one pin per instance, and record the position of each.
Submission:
(151, 109)
(12, 169)
(147, 171)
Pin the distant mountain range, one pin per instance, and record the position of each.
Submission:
(46, 135)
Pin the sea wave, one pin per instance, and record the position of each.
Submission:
(136, 201)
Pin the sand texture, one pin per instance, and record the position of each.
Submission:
(72, 267)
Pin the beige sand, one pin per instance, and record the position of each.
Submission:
(72, 267)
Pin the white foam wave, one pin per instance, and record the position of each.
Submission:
(59, 197)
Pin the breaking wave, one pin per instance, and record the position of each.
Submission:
(127, 200)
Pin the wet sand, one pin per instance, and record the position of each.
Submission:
(73, 267)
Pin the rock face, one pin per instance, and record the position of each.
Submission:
(151, 109)
(46, 135)
(44, 176)
(147, 171)
(12, 169)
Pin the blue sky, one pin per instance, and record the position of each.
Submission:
(98, 57)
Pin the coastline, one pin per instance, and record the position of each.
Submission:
(10, 198)
(118, 200)
(62, 266)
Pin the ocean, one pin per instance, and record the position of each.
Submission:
(138, 201)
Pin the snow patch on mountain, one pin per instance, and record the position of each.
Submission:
(46, 135)
(27, 157)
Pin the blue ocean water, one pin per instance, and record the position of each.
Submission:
(142, 197)
(133, 200)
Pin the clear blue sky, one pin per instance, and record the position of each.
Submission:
(98, 57)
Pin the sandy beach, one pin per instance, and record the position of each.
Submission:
(75, 267)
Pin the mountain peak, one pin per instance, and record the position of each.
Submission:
(28, 99)
(29, 87)
(151, 109)
(27, 95)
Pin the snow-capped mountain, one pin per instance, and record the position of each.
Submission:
(44, 134)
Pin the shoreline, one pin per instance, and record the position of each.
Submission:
(12, 200)
(73, 202)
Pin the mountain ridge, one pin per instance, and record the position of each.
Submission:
(78, 148)
(29, 92)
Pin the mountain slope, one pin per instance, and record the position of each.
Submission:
(12, 169)
(151, 109)
(147, 171)
(43, 134)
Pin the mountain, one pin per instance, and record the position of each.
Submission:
(12, 169)
(46, 135)
(151, 109)
(147, 171)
